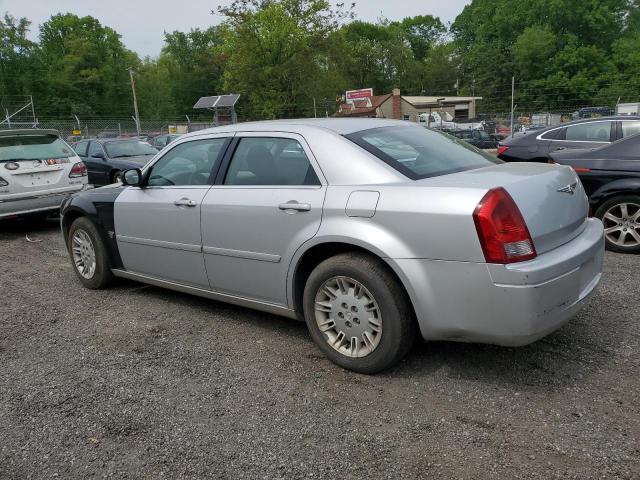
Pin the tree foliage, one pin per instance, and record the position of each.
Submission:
(281, 55)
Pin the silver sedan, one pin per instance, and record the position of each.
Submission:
(368, 230)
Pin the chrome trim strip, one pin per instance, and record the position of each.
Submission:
(15, 197)
(187, 247)
(210, 294)
(227, 252)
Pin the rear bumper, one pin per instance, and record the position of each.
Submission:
(507, 305)
(36, 202)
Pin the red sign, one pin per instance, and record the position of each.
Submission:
(359, 94)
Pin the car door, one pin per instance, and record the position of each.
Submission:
(96, 162)
(267, 201)
(584, 135)
(158, 226)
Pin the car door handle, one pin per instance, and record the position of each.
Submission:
(294, 205)
(561, 148)
(185, 202)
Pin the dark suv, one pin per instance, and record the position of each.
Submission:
(586, 133)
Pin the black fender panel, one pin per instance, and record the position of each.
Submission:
(98, 206)
(623, 186)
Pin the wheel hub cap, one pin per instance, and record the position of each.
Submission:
(622, 224)
(84, 256)
(348, 316)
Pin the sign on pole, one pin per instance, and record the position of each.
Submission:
(361, 94)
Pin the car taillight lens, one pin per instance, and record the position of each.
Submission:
(502, 232)
(78, 170)
(502, 149)
(3, 182)
(552, 162)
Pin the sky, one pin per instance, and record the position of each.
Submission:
(143, 22)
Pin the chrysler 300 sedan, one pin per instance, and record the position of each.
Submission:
(368, 230)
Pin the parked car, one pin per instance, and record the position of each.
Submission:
(477, 138)
(162, 141)
(587, 133)
(369, 229)
(611, 178)
(38, 169)
(106, 159)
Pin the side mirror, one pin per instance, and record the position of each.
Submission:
(132, 178)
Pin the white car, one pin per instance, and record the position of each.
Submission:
(37, 171)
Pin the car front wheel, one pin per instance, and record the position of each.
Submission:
(89, 254)
(621, 219)
(358, 314)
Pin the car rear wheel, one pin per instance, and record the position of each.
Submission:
(88, 254)
(621, 219)
(357, 313)
(116, 176)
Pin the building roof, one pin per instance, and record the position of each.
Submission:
(361, 108)
(422, 100)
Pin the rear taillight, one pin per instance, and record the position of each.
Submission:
(502, 149)
(78, 170)
(551, 162)
(502, 232)
(581, 170)
(3, 182)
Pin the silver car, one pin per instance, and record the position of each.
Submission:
(37, 171)
(369, 230)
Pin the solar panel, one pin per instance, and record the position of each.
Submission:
(227, 100)
(221, 101)
(206, 102)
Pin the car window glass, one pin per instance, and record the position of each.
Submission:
(81, 148)
(630, 128)
(189, 163)
(421, 153)
(94, 147)
(32, 147)
(128, 148)
(589, 132)
(552, 134)
(270, 161)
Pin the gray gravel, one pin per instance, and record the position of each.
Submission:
(140, 382)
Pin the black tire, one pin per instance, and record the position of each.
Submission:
(116, 176)
(102, 275)
(398, 320)
(611, 204)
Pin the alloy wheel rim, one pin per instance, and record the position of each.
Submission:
(84, 254)
(348, 317)
(622, 224)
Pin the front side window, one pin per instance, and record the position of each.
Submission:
(190, 163)
(129, 148)
(630, 127)
(33, 147)
(270, 161)
(421, 153)
(589, 132)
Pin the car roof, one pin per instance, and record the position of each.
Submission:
(341, 126)
(29, 131)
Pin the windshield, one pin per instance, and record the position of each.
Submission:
(421, 153)
(33, 147)
(129, 148)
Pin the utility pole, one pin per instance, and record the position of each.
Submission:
(135, 100)
(513, 91)
(315, 111)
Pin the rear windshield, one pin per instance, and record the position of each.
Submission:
(129, 148)
(421, 153)
(33, 147)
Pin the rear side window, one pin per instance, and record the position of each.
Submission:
(552, 134)
(33, 147)
(270, 161)
(421, 153)
(630, 128)
(81, 148)
(589, 132)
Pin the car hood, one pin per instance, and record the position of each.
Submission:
(139, 159)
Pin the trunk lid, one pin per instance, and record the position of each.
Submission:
(551, 198)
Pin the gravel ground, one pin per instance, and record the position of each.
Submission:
(140, 382)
